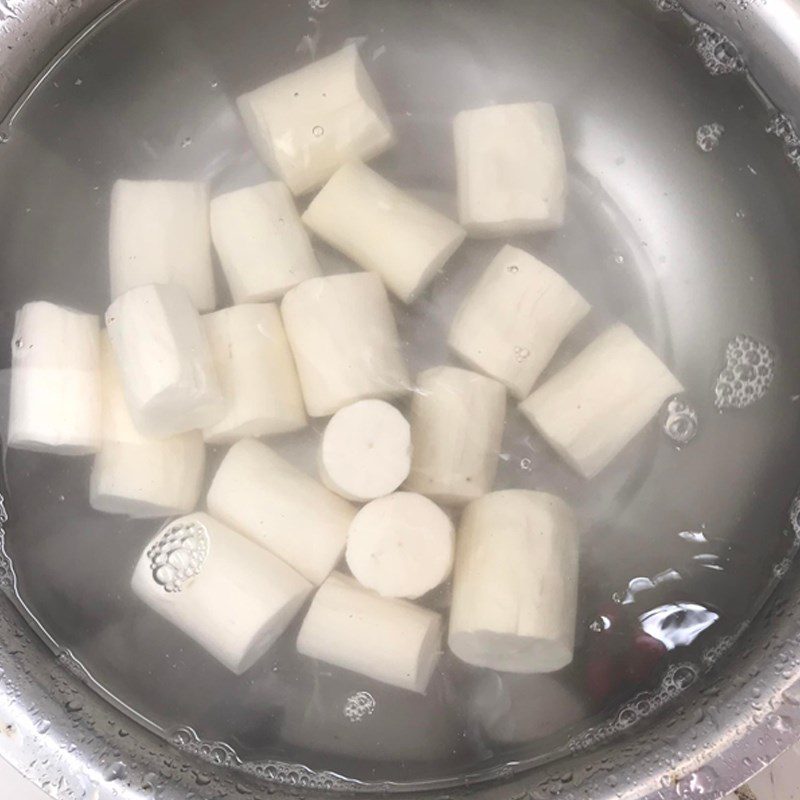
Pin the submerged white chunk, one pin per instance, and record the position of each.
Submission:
(457, 421)
(281, 508)
(166, 365)
(401, 545)
(55, 381)
(515, 318)
(383, 229)
(365, 451)
(305, 125)
(256, 372)
(344, 340)
(515, 586)
(512, 175)
(229, 595)
(159, 233)
(137, 475)
(595, 406)
(388, 640)
(261, 242)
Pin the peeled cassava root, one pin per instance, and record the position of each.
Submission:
(383, 229)
(389, 640)
(515, 585)
(229, 595)
(55, 381)
(138, 475)
(256, 373)
(457, 420)
(262, 496)
(591, 409)
(512, 175)
(344, 339)
(365, 451)
(401, 545)
(515, 318)
(305, 125)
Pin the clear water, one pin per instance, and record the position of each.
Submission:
(693, 247)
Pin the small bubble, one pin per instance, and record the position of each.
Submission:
(526, 464)
(513, 268)
(619, 258)
(186, 142)
(521, 353)
(3, 137)
(709, 136)
(358, 706)
(19, 344)
(214, 84)
(741, 214)
(681, 422)
(78, 81)
(318, 130)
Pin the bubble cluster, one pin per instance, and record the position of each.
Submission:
(718, 54)
(667, 5)
(359, 706)
(676, 680)
(521, 353)
(782, 127)
(680, 422)
(748, 373)
(222, 754)
(709, 136)
(724, 645)
(794, 516)
(178, 555)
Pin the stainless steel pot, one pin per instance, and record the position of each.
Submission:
(715, 732)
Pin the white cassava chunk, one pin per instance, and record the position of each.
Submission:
(515, 318)
(592, 409)
(515, 587)
(261, 242)
(401, 545)
(344, 339)
(166, 365)
(159, 233)
(305, 125)
(137, 475)
(281, 508)
(229, 595)
(457, 421)
(365, 451)
(392, 641)
(55, 381)
(512, 175)
(256, 372)
(383, 229)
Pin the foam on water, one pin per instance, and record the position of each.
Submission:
(748, 373)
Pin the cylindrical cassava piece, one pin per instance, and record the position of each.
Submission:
(261, 242)
(515, 586)
(457, 421)
(55, 381)
(281, 508)
(305, 125)
(383, 229)
(136, 475)
(515, 318)
(600, 401)
(401, 545)
(159, 233)
(229, 595)
(365, 451)
(256, 372)
(392, 641)
(512, 174)
(344, 339)
(166, 365)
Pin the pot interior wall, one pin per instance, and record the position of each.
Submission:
(690, 246)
